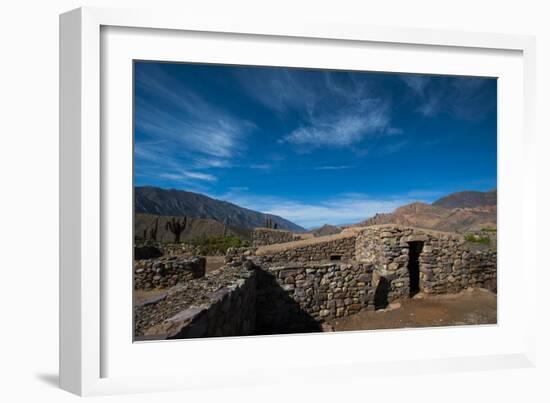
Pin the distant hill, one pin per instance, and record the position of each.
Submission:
(326, 229)
(172, 202)
(468, 199)
(458, 212)
(195, 228)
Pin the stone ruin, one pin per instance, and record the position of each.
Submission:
(296, 286)
(167, 271)
(270, 236)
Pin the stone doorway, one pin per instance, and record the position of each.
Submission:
(415, 248)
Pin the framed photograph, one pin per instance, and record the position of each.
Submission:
(275, 197)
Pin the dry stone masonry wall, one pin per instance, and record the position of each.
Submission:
(220, 304)
(294, 298)
(167, 271)
(268, 236)
(336, 248)
(446, 262)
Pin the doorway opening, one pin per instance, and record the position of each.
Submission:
(381, 294)
(415, 248)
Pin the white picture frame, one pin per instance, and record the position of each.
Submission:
(87, 316)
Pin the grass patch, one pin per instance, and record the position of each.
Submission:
(216, 245)
(488, 229)
(477, 239)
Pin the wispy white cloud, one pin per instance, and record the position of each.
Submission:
(460, 97)
(341, 209)
(263, 167)
(339, 111)
(417, 83)
(394, 130)
(343, 128)
(187, 175)
(332, 167)
(181, 133)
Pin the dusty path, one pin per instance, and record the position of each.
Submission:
(472, 307)
(214, 263)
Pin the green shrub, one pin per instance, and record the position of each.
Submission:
(477, 239)
(216, 245)
(487, 229)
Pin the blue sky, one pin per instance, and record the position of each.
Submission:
(313, 146)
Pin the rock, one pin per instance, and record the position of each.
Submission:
(393, 266)
(288, 287)
(327, 327)
(393, 306)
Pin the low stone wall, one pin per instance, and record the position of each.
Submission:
(268, 236)
(220, 304)
(178, 249)
(294, 298)
(142, 249)
(449, 269)
(166, 271)
(337, 247)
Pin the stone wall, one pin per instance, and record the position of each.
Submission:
(447, 263)
(178, 249)
(167, 271)
(268, 236)
(337, 247)
(150, 249)
(296, 298)
(220, 304)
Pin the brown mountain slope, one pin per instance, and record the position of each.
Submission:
(439, 218)
(468, 198)
(196, 227)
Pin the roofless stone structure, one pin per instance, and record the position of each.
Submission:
(295, 286)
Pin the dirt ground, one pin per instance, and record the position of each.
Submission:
(470, 307)
(214, 263)
(140, 296)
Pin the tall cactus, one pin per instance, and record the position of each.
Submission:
(269, 223)
(154, 230)
(176, 227)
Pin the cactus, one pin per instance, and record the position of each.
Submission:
(270, 224)
(176, 227)
(154, 230)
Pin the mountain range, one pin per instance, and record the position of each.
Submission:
(457, 212)
(172, 202)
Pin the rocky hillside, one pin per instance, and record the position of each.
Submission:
(172, 202)
(474, 211)
(468, 199)
(326, 229)
(195, 228)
